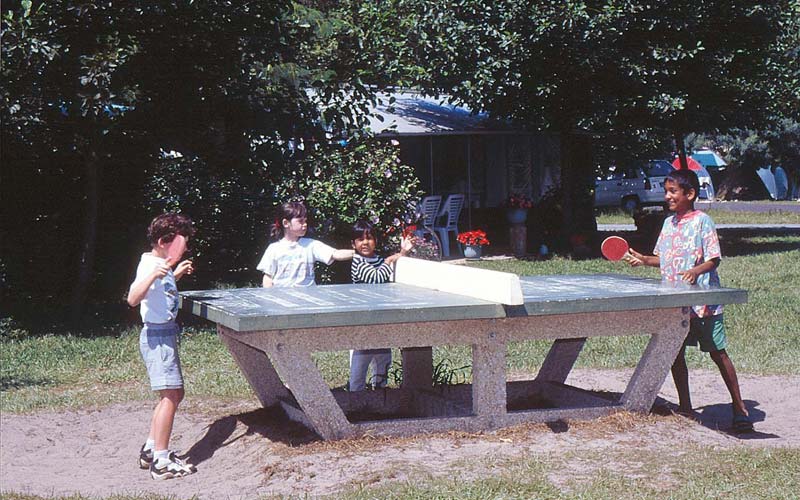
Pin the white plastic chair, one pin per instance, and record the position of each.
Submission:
(451, 209)
(428, 210)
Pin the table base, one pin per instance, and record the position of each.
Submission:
(279, 368)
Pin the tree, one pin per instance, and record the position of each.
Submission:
(598, 67)
(95, 92)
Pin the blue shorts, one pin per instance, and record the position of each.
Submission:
(708, 332)
(158, 344)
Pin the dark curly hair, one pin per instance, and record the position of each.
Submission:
(166, 226)
(685, 179)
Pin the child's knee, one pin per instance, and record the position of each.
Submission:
(718, 356)
(174, 395)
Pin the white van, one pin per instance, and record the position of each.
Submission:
(633, 187)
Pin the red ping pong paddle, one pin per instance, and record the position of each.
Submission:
(615, 248)
(176, 249)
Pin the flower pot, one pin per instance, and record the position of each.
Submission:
(472, 252)
(517, 215)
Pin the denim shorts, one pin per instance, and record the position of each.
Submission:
(158, 344)
(708, 332)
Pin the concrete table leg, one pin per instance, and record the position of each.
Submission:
(656, 361)
(560, 360)
(310, 390)
(256, 367)
(489, 377)
(417, 367)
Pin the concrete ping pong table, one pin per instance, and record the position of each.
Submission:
(271, 334)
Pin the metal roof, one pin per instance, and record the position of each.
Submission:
(414, 114)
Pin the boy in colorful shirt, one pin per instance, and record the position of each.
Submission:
(688, 249)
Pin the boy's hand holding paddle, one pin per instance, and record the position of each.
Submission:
(616, 248)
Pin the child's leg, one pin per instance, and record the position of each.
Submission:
(164, 416)
(728, 372)
(381, 362)
(359, 363)
(680, 374)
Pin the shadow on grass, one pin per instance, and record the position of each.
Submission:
(270, 423)
(733, 242)
(10, 383)
(737, 242)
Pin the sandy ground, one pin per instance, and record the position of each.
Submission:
(242, 451)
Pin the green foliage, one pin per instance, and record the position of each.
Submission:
(10, 330)
(776, 144)
(617, 66)
(363, 180)
(94, 93)
(228, 208)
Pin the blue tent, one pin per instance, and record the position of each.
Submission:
(708, 158)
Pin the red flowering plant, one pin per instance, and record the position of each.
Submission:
(476, 237)
(517, 200)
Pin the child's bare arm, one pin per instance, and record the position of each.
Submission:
(691, 275)
(406, 245)
(343, 254)
(392, 258)
(266, 281)
(641, 259)
(138, 289)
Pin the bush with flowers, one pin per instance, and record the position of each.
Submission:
(340, 185)
(516, 200)
(476, 237)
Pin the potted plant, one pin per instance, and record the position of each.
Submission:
(517, 206)
(473, 242)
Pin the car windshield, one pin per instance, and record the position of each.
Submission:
(659, 168)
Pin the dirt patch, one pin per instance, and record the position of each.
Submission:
(243, 451)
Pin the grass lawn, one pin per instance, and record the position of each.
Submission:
(776, 215)
(705, 473)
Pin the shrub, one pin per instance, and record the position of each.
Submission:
(343, 184)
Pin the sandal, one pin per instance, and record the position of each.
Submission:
(742, 424)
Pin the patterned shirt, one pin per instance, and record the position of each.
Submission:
(687, 242)
(370, 269)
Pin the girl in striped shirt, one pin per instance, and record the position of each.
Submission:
(367, 267)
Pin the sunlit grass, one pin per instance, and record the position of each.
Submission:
(624, 473)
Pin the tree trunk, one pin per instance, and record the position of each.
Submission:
(578, 224)
(89, 243)
(680, 147)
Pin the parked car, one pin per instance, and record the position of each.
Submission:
(633, 187)
(643, 185)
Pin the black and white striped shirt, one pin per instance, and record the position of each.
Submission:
(370, 269)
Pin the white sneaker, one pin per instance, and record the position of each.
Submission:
(190, 468)
(167, 470)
